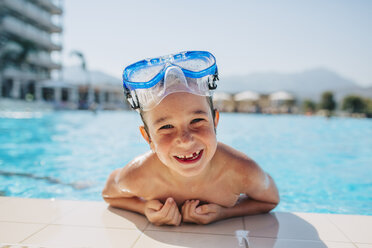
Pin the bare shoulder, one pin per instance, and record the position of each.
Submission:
(131, 179)
(234, 159)
(136, 172)
(241, 168)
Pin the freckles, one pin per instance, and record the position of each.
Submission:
(206, 132)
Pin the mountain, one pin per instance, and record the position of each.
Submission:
(307, 84)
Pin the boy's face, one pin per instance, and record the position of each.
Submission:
(182, 133)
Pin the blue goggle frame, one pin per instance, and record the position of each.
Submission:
(164, 62)
(167, 61)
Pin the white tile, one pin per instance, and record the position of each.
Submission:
(33, 210)
(293, 243)
(159, 239)
(72, 236)
(16, 232)
(4, 199)
(228, 227)
(327, 231)
(356, 227)
(298, 226)
(363, 245)
(331, 244)
(98, 214)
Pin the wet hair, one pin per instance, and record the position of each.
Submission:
(210, 103)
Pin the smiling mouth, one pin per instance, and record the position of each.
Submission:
(192, 158)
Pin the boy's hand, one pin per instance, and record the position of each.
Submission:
(163, 214)
(203, 214)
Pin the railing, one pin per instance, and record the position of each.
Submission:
(50, 5)
(21, 29)
(32, 12)
(43, 60)
(16, 73)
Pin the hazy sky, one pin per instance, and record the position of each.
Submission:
(245, 36)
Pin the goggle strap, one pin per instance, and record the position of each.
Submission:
(213, 85)
(134, 103)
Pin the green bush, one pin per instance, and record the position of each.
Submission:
(327, 102)
(309, 106)
(357, 104)
(354, 104)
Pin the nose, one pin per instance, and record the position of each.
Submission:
(184, 137)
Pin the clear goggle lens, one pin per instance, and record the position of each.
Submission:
(148, 81)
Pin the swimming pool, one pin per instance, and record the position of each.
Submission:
(319, 165)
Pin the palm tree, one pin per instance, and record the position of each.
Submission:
(89, 95)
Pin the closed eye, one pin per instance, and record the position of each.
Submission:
(196, 120)
(166, 127)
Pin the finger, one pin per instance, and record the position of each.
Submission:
(155, 205)
(203, 209)
(186, 211)
(175, 216)
(195, 204)
(166, 207)
(187, 206)
(179, 219)
(192, 208)
(172, 211)
(183, 208)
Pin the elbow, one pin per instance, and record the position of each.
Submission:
(277, 199)
(112, 202)
(272, 206)
(106, 195)
(268, 207)
(106, 198)
(274, 203)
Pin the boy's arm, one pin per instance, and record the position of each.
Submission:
(261, 193)
(264, 198)
(155, 211)
(261, 196)
(117, 197)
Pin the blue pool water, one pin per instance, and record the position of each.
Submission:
(319, 165)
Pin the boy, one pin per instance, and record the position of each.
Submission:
(187, 176)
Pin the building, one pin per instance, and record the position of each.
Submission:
(282, 102)
(223, 101)
(247, 101)
(30, 47)
(85, 89)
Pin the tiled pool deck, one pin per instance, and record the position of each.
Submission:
(55, 223)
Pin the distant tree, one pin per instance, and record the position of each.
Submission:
(309, 106)
(327, 102)
(354, 104)
(369, 107)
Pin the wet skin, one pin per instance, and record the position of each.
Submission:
(188, 176)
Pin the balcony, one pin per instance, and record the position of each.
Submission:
(18, 74)
(43, 60)
(35, 14)
(49, 6)
(22, 30)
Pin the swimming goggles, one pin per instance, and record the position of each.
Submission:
(147, 82)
